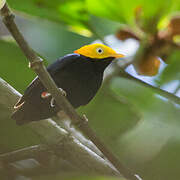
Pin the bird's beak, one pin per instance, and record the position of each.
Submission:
(117, 55)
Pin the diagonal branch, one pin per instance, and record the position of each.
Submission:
(37, 65)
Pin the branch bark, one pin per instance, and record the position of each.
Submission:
(37, 65)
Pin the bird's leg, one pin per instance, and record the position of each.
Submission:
(78, 124)
(45, 95)
(52, 102)
(85, 118)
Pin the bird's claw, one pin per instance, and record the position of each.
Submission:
(52, 102)
(45, 95)
(80, 123)
(63, 92)
(85, 118)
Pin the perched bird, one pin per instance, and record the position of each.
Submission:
(79, 74)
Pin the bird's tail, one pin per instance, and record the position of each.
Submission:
(23, 114)
(26, 112)
(20, 116)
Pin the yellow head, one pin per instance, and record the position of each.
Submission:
(98, 51)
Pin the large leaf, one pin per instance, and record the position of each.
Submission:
(71, 12)
(14, 69)
(43, 9)
(153, 143)
(14, 65)
(111, 116)
(124, 11)
(51, 40)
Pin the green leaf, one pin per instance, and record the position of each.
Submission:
(124, 11)
(110, 115)
(76, 13)
(14, 137)
(14, 65)
(106, 9)
(39, 8)
(51, 40)
(14, 69)
(71, 12)
(154, 141)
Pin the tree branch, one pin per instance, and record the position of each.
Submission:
(37, 65)
(26, 153)
(63, 121)
(59, 141)
(30, 167)
(44, 152)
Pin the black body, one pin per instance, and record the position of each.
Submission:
(79, 76)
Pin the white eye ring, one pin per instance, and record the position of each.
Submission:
(99, 50)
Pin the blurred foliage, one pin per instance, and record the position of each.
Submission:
(172, 71)
(14, 65)
(125, 11)
(2, 2)
(139, 126)
(141, 147)
(14, 137)
(117, 112)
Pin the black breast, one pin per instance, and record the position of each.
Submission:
(81, 81)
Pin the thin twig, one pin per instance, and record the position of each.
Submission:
(161, 92)
(26, 153)
(118, 71)
(37, 65)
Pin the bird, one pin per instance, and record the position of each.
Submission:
(79, 75)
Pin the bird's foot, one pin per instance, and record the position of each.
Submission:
(80, 123)
(52, 102)
(63, 92)
(85, 118)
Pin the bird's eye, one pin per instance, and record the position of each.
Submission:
(99, 50)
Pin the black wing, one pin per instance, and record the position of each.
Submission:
(36, 84)
(60, 64)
